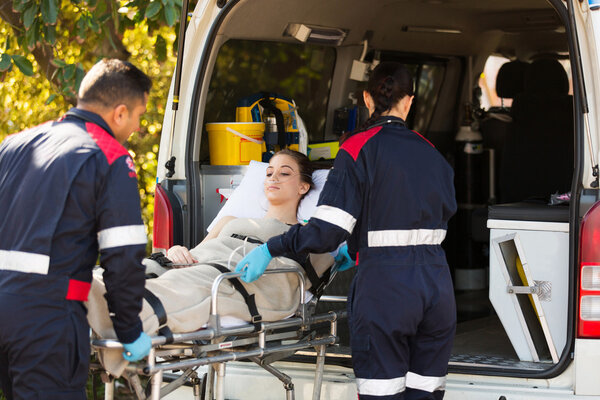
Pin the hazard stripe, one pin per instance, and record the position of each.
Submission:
(406, 237)
(127, 235)
(20, 261)
(425, 383)
(381, 387)
(336, 216)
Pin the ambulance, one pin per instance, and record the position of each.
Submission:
(508, 91)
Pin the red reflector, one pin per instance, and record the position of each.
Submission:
(162, 232)
(588, 319)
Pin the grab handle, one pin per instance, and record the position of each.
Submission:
(244, 136)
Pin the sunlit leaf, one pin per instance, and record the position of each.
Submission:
(5, 62)
(69, 72)
(23, 64)
(49, 10)
(170, 15)
(29, 15)
(153, 9)
(58, 63)
(160, 47)
(50, 34)
(79, 74)
(21, 5)
(50, 99)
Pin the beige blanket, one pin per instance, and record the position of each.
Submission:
(186, 292)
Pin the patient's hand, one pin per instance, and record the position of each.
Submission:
(180, 255)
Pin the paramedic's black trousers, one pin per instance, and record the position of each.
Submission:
(44, 348)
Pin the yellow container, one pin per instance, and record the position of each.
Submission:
(235, 143)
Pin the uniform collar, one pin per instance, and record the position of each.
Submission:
(388, 119)
(89, 116)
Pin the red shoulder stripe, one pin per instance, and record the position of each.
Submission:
(425, 139)
(108, 144)
(355, 143)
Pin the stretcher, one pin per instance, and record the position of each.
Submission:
(256, 341)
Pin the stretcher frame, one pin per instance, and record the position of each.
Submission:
(214, 346)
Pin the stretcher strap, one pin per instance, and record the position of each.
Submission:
(247, 238)
(161, 259)
(317, 285)
(248, 298)
(160, 313)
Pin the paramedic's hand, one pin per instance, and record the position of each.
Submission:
(139, 349)
(254, 264)
(343, 259)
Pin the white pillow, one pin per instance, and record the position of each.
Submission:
(248, 200)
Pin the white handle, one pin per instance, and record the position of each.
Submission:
(244, 136)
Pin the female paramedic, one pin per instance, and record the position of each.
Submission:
(390, 194)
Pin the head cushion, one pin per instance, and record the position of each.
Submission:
(546, 76)
(510, 80)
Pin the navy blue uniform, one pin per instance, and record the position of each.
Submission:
(69, 191)
(390, 194)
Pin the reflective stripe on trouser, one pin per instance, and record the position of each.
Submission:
(45, 350)
(402, 322)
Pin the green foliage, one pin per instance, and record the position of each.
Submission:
(45, 52)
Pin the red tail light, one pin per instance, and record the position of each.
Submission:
(588, 325)
(162, 233)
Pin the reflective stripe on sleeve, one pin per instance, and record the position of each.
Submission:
(33, 263)
(406, 237)
(381, 387)
(127, 235)
(336, 216)
(425, 383)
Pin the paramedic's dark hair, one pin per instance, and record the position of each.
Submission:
(389, 83)
(111, 82)
(303, 162)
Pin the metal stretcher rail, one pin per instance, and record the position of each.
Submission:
(188, 351)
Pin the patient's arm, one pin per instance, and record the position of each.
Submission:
(214, 232)
(181, 255)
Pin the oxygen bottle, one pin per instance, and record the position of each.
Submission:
(470, 262)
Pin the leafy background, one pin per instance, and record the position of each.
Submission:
(47, 45)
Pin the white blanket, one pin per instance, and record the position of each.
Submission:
(186, 292)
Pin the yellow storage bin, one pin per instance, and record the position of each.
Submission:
(235, 143)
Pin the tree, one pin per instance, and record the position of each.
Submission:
(46, 45)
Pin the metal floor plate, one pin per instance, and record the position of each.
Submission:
(466, 360)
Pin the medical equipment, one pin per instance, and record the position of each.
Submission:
(260, 342)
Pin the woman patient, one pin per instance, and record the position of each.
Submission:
(185, 293)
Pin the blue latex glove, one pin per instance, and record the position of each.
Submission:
(254, 264)
(343, 259)
(139, 349)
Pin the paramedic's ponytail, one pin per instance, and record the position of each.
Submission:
(389, 83)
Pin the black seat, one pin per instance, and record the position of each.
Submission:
(538, 154)
(494, 128)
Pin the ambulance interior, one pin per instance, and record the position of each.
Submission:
(493, 94)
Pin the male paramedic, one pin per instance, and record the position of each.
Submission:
(68, 192)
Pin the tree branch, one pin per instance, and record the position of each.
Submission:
(43, 52)
(113, 46)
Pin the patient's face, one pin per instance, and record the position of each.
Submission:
(282, 183)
